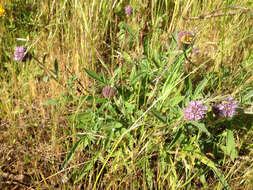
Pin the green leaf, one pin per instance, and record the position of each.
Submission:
(84, 171)
(94, 75)
(56, 68)
(72, 151)
(139, 75)
(202, 158)
(188, 84)
(203, 180)
(159, 117)
(46, 78)
(51, 102)
(221, 179)
(176, 138)
(44, 59)
(248, 95)
(199, 88)
(127, 57)
(201, 127)
(115, 73)
(129, 30)
(230, 149)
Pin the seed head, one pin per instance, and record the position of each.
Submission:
(195, 111)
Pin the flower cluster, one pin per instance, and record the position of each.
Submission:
(196, 110)
(19, 54)
(108, 92)
(128, 10)
(226, 108)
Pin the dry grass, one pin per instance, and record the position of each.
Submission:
(35, 138)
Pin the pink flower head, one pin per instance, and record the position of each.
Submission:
(128, 10)
(19, 53)
(227, 108)
(195, 111)
(108, 92)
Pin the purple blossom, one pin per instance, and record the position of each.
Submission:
(184, 38)
(227, 108)
(19, 53)
(108, 92)
(128, 10)
(195, 51)
(195, 111)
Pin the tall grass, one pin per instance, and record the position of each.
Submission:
(60, 131)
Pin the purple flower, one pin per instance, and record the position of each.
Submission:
(128, 10)
(108, 92)
(195, 51)
(19, 54)
(195, 111)
(226, 108)
(184, 38)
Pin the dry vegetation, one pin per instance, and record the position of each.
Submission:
(36, 137)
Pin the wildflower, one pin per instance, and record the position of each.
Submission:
(226, 108)
(195, 51)
(184, 38)
(108, 92)
(1, 9)
(19, 53)
(128, 10)
(195, 111)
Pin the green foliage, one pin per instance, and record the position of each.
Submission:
(140, 137)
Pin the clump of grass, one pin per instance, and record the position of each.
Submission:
(102, 103)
